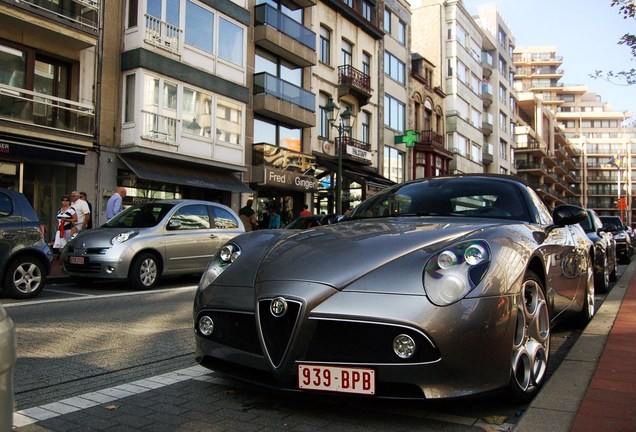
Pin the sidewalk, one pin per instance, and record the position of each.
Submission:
(594, 389)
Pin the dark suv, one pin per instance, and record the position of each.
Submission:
(25, 257)
(624, 246)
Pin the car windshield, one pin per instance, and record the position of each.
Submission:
(472, 197)
(140, 216)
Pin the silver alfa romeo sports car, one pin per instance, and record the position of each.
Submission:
(434, 288)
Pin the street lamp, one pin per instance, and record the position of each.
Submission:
(344, 126)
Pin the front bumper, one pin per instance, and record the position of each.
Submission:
(463, 349)
(98, 266)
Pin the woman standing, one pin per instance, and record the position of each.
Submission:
(66, 217)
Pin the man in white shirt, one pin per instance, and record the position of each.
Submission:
(82, 210)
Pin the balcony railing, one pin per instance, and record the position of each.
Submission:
(158, 127)
(282, 158)
(83, 12)
(163, 35)
(265, 14)
(347, 74)
(431, 137)
(28, 107)
(265, 83)
(353, 143)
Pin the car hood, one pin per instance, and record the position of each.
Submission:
(339, 254)
(103, 235)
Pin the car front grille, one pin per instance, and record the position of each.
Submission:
(92, 268)
(365, 342)
(278, 330)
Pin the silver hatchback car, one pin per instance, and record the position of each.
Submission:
(149, 240)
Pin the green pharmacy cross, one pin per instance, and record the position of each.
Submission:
(410, 138)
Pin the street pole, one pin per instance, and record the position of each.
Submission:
(342, 127)
(339, 170)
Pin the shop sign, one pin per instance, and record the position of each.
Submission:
(289, 180)
(359, 153)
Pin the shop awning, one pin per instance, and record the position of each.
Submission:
(191, 175)
(41, 150)
(358, 173)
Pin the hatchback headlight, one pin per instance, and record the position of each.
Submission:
(453, 272)
(123, 237)
(621, 236)
(221, 260)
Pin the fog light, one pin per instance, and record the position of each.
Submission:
(404, 346)
(206, 325)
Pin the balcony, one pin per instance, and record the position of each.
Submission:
(163, 35)
(354, 149)
(523, 165)
(159, 128)
(284, 101)
(486, 128)
(84, 13)
(28, 107)
(487, 158)
(486, 94)
(486, 67)
(278, 33)
(353, 82)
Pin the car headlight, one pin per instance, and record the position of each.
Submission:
(222, 259)
(452, 273)
(123, 237)
(621, 236)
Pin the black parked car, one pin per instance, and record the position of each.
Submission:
(25, 257)
(603, 253)
(624, 246)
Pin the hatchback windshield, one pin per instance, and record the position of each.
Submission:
(140, 216)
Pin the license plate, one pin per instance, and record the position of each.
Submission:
(76, 260)
(336, 379)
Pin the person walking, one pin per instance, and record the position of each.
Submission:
(66, 217)
(115, 202)
(82, 211)
(274, 219)
(248, 216)
(90, 208)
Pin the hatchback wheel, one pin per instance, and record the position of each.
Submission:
(144, 272)
(531, 343)
(24, 278)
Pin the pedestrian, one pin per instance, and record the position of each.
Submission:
(82, 211)
(66, 217)
(90, 208)
(115, 202)
(248, 216)
(274, 219)
(305, 211)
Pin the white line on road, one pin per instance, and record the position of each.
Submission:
(88, 296)
(88, 400)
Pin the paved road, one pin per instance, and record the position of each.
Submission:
(108, 358)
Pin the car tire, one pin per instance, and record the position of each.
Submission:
(602, 277)
(589, 306)
(531, 340)
(24, 278)
(144, 271)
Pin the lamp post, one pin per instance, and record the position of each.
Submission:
(343, 126)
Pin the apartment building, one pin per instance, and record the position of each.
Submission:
(599, 135)
(500, 99)
(48, 81)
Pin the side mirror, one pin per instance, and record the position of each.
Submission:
(568, 215)
(174, 224)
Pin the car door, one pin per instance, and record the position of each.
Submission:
(11, 227)
(190, 239)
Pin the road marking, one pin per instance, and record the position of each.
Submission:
(33, 415)
(89, 296)
(66, 292)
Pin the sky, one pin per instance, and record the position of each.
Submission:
(586, 35)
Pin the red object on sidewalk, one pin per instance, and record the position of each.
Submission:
(610, 401)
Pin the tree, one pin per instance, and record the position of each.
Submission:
(627, 8)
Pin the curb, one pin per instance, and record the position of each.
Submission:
(558, 402)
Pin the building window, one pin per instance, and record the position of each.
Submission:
(462, 37)
(367, 11)
(393, 164)
(323, 117)
(129, 102)
(231, 42)
(503, 150)
(347, 53)
(199, 27)
(365, 127)
(503, 121)
(394, 68)
(276, 134)
(387, 21)
(475, 152)
(325, 45)
(394, 111)
(366, 64)
(402, 32)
